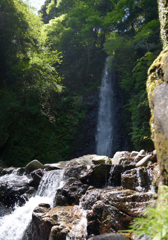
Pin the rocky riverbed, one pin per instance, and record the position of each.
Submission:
(98, 195)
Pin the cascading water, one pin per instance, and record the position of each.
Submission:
(105, 127)
(14, 225)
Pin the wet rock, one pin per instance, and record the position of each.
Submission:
(122, 158)
(58, 233)
(3, 210)
(109, 218)
(156, 176)
(128, 201)
(7, 170)
(19, 171)
(115, 209)
(115, 174)
(136, 179)
(90, 198)
(33, 165)
(70, 193)
(12, 189)
(41, 224)
(56, 223)
(36, 176)
(109, 236)
(11, 193)
(96, 176)
(74, 171)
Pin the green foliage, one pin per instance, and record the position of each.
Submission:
(31, 92)
(134, 42)
(154, 221)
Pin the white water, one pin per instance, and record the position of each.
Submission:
(79, 230)
(13, 226)
(104, 126)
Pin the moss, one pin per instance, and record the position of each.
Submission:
(161, 143)
(155, 78)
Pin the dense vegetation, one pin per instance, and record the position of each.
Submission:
(50, 62)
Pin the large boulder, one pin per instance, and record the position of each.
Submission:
(70, 193)
(96, 176)
(56, 223)
(158, 96)
(13, 189)
(109, 236)
(74, 171)
(136, 179)
(12, 193)
(33, 165)
(113, 210)
(122, 157)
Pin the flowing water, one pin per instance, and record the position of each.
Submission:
(104, 126)
(13, 226)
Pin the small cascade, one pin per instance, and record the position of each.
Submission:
(79, 230)
(150, 180)
(14, 225)
(139, 187)
(110, 180)
(104, 126)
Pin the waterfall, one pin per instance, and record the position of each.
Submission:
(105, 127)
(14, 225)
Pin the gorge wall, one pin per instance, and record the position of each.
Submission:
(157, 88)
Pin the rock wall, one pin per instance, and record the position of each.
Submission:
(157, 88)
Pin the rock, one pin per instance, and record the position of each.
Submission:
(58, 233)
(108, 218)
(134, 154)
(144, 161)
(140, 155)
(84, 160)
(41, 224)
(3, 210)
(96, 176)
(136, 179)
(154, 152)
(12, 193)
(33, 165)
(128, 201)
(160, 103)
(115, 174)
(70, 193)
(113, 210)
(56, 223)
(19, 171)
(7, 170)
(156, 176)
(36, 175)
(74, 171)
(109, 236)
(121, 158)
(101, 159)
(12, 189)
(55, 166)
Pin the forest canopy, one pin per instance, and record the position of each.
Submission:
(50, 62)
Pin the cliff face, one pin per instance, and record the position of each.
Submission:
(157, 88)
